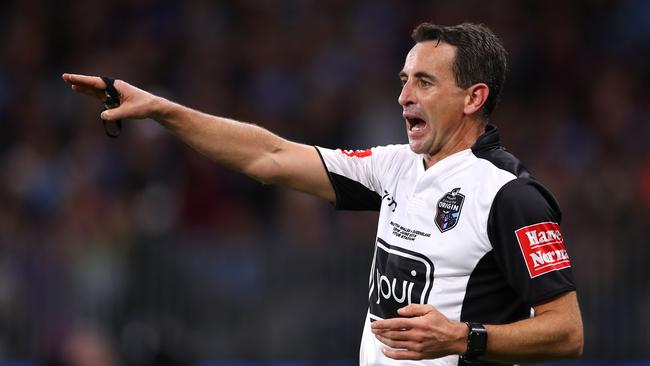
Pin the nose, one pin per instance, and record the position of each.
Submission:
(406, 97)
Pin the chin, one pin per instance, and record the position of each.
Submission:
(417, 147)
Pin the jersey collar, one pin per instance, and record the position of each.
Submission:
(444, 167)
(489, 140)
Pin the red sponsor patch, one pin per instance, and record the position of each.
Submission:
(543, 248)
(357, 153)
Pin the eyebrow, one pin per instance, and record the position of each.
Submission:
(419, 75)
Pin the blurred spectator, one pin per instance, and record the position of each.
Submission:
(173, 260)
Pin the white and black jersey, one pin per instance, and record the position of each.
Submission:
(474, 235)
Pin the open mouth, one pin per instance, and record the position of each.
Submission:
(415, 123)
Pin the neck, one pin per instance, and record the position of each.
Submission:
(463, 137)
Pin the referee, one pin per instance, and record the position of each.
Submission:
(470, 266)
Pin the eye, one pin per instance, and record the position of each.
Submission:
(402, 81)
(424, 83)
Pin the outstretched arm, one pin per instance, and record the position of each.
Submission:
(555, 332)
(244, 147)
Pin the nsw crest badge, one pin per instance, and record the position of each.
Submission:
(448, 210)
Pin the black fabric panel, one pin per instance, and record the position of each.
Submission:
(489, 298)
(354, 196)
(488, 147)
(500, 289)
(351, 195)
(519, 203)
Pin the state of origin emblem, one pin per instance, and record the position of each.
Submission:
(448, 210)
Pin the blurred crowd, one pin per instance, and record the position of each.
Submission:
(139, 251)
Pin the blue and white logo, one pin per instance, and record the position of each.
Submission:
(448, 210)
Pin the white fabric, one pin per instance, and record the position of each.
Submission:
(397, 174)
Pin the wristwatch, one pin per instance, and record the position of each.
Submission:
(476, 342)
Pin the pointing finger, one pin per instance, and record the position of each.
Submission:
(84, 80)
(89, 91)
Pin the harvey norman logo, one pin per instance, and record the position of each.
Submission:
(543, 248)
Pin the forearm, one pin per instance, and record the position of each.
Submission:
(244, 147)
(533, 340)
(555, 332)
(422, 332)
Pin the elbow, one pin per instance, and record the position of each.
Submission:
(578, 348)
(264, 170)
(574, 350)
(575, 343)
(266, 177)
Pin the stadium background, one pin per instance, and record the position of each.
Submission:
(139, 251)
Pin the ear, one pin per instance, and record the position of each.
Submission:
(476, 96)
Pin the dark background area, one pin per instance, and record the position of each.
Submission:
(139, 251)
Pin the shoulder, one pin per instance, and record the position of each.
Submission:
(393, 153)
(401, 150)
(526, 198)
(517, 189)
(372, 152)
(502, 159)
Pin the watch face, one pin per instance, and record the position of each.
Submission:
(476, 340)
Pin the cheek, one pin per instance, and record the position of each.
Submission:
(440, 111)
(451, 106)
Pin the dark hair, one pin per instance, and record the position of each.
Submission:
(480, 56)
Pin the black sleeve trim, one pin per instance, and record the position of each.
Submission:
(551, 294)
(354, 196)
(520, 203)
(351, 195)
(329, 176)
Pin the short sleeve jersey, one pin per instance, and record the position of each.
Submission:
(474, 235)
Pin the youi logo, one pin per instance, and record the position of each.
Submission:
(399, 277)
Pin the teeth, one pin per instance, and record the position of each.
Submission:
(416, 124)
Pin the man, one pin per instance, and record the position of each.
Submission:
(467, 241)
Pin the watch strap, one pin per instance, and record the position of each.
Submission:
(476, 342)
